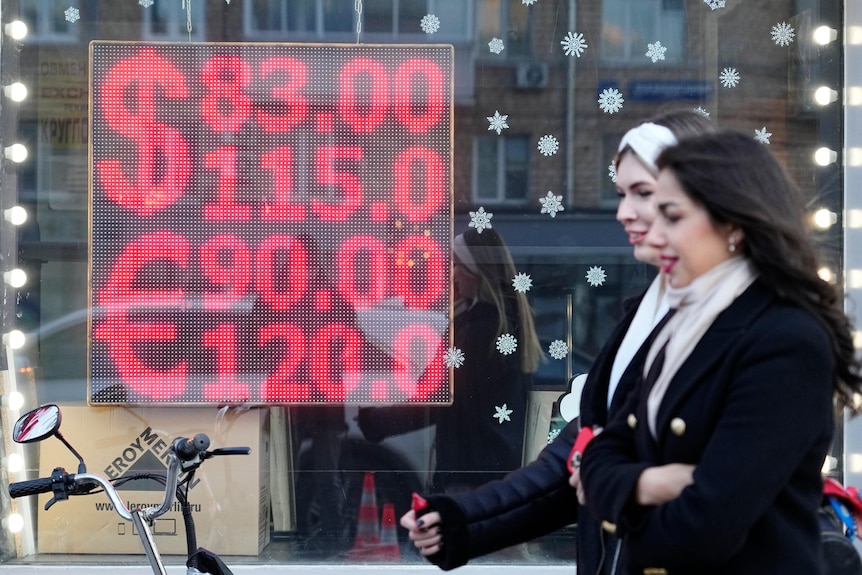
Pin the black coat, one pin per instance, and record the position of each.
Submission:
(536, 499)
(752, 408)
(472, 447)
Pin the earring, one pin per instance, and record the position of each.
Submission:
(731, 244)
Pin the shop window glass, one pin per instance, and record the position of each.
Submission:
(541, 181)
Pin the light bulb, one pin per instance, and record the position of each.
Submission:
(14, 462)
(15, 278)
(16, 215)
(825, 95)
(824, 156)
(16, 92)
(16, 152)
(824, 219)
(16, 30)
(14, 523)
(14, 339)
(824, 35)
(14, 400)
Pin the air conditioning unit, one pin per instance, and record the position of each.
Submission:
(531, 76)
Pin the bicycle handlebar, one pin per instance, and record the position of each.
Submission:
(31, 487)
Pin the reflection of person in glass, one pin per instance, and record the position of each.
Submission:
(537, 499)
(481, 435)
(714, 463)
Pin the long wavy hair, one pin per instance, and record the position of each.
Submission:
(496, 267)
(740, 182)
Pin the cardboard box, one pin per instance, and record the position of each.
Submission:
(230, 498)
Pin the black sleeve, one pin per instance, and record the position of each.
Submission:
(529, 502)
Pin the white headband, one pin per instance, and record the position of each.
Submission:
(459, 247)
(648, 141)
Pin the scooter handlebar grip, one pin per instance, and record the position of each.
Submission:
(31, 487)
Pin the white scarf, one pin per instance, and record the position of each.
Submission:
(652, 307)
(697, 305)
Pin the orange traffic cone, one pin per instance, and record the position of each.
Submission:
(389, 550)
(367, 526)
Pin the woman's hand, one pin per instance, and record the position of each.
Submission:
(575, 481)
(663, 483)
(424, 532)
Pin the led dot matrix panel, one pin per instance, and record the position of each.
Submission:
(269, 223)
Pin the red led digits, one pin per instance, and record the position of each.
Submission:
(289, 94)
(226, 264)
(226, 105)
(363, 271)
(126, 99)
(119, 296)
(226, 387)
(329, 160)
(284, 384)
(335, 363)
(223, 160)
(281, 271)
(415, 107)
(421, 278)
(270, 223)
(280, 163)
(419, 203)
(363, 94)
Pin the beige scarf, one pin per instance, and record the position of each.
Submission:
(697, 305)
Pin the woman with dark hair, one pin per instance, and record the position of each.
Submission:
(472, 447)
(714, 463)
(537, 498)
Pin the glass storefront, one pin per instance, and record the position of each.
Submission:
(237, 217)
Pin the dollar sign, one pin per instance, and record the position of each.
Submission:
(163, 163)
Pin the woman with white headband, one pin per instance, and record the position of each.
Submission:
(537, 499)
(472, 447)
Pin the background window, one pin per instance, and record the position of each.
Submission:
(508, 20)
(628, 26)
(301, 17)
(46, 20)
(502, 169)
(167, 20)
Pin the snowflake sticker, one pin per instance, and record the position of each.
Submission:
(700, 110)
(502, 414)
(430, 23)
(729, 77)
(783, 34)
(558, 349)
(552, 435)
(72, 14)
(655, 52)
(495, 45)
(507, 344)
(762, 135)
(480, 220)
(611, 101)
(573, 44)
(548, 145)
(612, 172)
(522, 283)
(453, 357)
(715, 4)
(146, 3)
(551, 204)
(497, 122)
(596, 276)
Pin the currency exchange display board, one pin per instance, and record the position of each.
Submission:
(269, 223)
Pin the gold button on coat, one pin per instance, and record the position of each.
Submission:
(632, 420)
(677, 425)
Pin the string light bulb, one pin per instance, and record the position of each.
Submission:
(16, 215)
(824, 35)
(17, 92)
(824, 156)
(824, 95)
(14, 400)
(16, 153)
(824, 219)
(14, 339)
(16, 29)
(15, 277)
(14, 523)
(826, 274)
